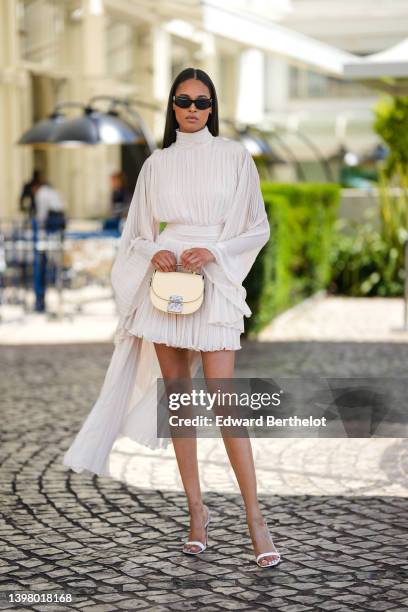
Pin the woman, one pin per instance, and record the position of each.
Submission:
(207, 190)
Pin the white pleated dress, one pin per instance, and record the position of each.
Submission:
(207, 189)
(190, 187)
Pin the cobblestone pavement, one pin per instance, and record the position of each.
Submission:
(337, 508)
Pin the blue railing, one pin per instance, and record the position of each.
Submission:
(32, 259)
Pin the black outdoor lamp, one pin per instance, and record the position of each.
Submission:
(92, 127)
(95, 127)
(142, 132)
(41, 132)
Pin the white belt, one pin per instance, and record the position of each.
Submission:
(185, 229)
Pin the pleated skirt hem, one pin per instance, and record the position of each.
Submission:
(229, 346)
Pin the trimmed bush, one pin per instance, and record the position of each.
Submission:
(295, 263)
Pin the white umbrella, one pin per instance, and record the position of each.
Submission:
(386, 70)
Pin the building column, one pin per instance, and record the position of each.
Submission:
(153, 76)
(209, 52)
(13, 85)
(250, 102)
(277, 73)
(90, 191)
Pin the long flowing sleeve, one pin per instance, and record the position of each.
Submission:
(136, 245)
(246, 230)
(247, 224)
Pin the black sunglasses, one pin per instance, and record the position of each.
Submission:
(184, 102)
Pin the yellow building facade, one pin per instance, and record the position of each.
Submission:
(69, 51)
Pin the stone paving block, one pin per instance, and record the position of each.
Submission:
(164, 598)
(99, 607)
(104, 575)
(81, 583)
(55, 607)
(192, 592)
(382, 605)
(232, 605)
(305, 599)
(177, 571)
(296, 608)
(191, 605)
(134, 587)
(133, 572)
(328, 606)
(248, 595)
(230, 590)
(133, 604)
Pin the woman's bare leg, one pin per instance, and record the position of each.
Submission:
(220, 364)
(175, 364)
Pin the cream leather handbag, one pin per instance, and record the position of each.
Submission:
(177, 292)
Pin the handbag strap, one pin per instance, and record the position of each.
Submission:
(178, 265)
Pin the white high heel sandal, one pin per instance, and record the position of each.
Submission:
(267, 554)
(197, 542)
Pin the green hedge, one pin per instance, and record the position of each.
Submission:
(295, 263)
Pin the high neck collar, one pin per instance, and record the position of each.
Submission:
(191, 139)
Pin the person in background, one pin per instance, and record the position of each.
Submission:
(49, 206)
(120, 200)
(50, 217)
(120, 195)
(27, 199)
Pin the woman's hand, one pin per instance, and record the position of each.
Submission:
(165, 261)
(194, 259)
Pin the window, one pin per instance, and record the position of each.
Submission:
(40, 28)
(120, 50)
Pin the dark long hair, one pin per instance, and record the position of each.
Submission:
(171, 123)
